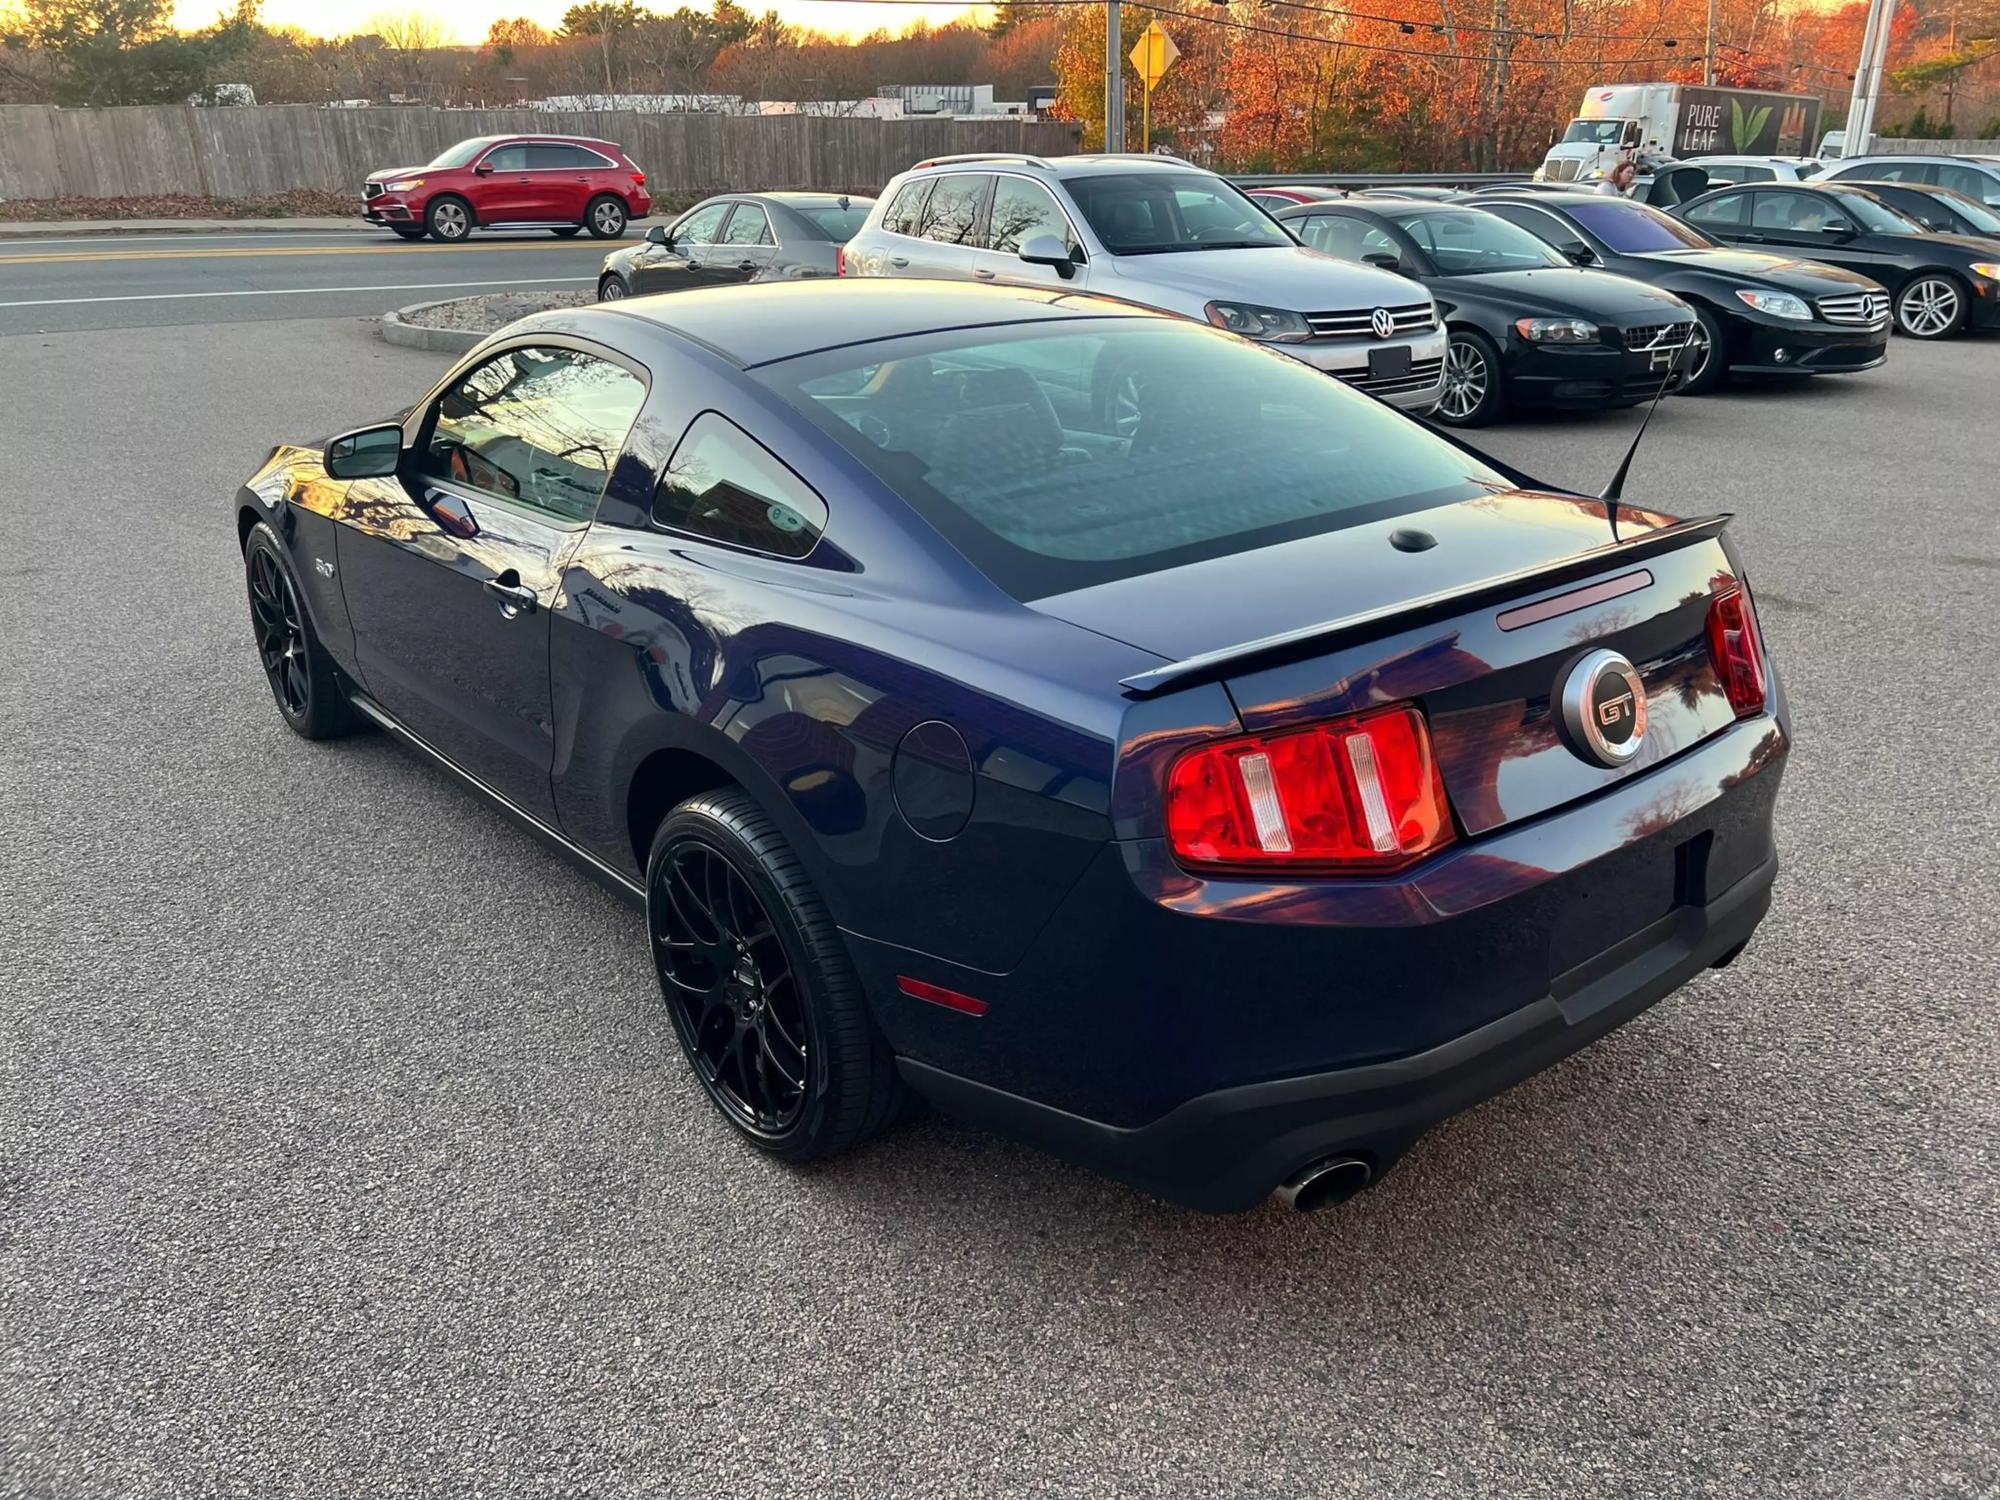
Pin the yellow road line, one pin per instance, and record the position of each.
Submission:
(275, 250)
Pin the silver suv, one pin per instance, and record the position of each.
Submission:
(1978, 177)
(1162, 233)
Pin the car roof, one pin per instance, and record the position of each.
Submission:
(793, 198)
(759, 325)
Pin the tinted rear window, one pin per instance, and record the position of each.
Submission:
(1208, 446)
(837, 224)
(1634, 229)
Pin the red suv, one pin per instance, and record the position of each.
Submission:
(561, 182)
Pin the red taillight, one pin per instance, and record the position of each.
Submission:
(1354, 796)
(638, 179)
(840, 260)
(1737, 650)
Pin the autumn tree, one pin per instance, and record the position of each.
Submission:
(98, 52)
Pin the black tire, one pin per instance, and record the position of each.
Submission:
(1932, 305)
(567, 231)
(305, 684)
(1711, 365)
(1474, 384)
(408, 231)
(735, 988)
(613, 288)
(449, 219)
(605, 217)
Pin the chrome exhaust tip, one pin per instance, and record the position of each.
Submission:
(1332, 1180)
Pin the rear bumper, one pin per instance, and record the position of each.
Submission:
(1225, 1151)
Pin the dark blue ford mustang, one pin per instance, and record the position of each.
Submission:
(1219, 791)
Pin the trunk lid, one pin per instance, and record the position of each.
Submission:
(1479, 630)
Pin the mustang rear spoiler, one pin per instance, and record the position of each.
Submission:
(1272, 649)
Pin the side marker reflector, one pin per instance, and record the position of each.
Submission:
(916, 989)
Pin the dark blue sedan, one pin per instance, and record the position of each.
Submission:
(1220, 797)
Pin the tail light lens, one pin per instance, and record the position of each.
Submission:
(638, 179)
(1354, 796)
(840, 260)
(1737, 650)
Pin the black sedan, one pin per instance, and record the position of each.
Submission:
(1938, 209)
(737, 238)
(1222, 802)
(1527, 328)
(1759, 314)
(1940, 284)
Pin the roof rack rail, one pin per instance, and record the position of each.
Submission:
(938, 161)
(1179, 161)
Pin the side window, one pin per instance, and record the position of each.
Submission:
(952, 211)
(1794, 213)
(539, 426)
(701, 226)
(1022, 210)
(1979, 186)
(724, 485)
(908, 206)
(507, 159)
(1726, 212)
(1317, 231)
(749, 225)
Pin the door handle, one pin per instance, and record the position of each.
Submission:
(515, 597)
(983, 275)
(899, 260)
(746, 265)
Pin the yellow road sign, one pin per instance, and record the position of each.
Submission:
(1152, 55)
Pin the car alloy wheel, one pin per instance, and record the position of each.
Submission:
(612, 289)
(607, 218)
(1929, 308)
(449, 221)
(736, 1000)
(280, 630)
(1694, 359)
(1468, 381)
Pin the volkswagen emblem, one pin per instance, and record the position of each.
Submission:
(1383, 322)
(1604, 708)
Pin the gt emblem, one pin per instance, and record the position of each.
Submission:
(324, 567)
(1383, 322)
(1604, 708)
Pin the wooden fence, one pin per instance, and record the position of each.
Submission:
(238, 152)
(1884, 146)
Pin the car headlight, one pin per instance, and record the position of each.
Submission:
(1556, 330)
(1271, 324)
(1777, 304)
(407, 185)
(1987, 268)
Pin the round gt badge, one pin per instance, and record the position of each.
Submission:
(1604, 708)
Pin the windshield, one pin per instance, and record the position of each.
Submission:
(1466, 241)
(1152, 213)
(1875, 216)
(462, 154)
(1595, 132)
(1634, 229)
(994, 437)
(839, 224)
(1982, 219)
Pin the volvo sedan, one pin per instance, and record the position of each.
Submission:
(1220, 803)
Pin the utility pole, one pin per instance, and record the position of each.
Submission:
(1708, 52)
(1114, 81)
(1868, 77)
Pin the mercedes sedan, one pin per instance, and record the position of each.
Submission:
(1221, 803)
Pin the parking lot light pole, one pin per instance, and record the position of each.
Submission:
(1114, 81)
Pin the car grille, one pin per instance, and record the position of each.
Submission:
(1667, 336)
(1861, 308)
(371, 189)
(1414, 317)
(1424, 373)
(1561, 171)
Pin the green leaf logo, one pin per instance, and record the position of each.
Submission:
(1745, 131)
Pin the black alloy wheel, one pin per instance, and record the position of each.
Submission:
(613, 289)
(1472, 394)
(605, 218)
(757, 982)
(448, 219)
(304, 681)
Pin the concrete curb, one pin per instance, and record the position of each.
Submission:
(397, 329)
(111, 228)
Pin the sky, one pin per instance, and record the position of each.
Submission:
(469, 19)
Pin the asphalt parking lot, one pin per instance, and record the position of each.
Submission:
(345, 1146)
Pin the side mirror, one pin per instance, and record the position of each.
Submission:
(1837, 231)
(484, 169)
(657, 235)
(1383, 261)
(1580, 255)
(1047, 250)
(366, 453)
